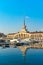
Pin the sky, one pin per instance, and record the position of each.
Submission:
(13, 12)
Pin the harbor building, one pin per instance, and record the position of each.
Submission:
(25, 34)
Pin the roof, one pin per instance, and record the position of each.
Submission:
(34, 32)
(11, 33)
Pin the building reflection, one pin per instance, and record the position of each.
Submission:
(23, 49)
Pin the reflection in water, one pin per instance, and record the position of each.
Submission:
(10, 56)
(14, 56)
(23, 49)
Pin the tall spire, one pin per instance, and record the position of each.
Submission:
(24, 21)
(24, 27)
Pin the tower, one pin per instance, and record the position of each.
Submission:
(24, 27)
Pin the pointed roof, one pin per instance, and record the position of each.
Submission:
(24, 27)
(24, 22)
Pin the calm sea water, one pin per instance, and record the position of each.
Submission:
(14, 56)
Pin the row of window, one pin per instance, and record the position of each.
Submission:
(26, 36)
(22, 36)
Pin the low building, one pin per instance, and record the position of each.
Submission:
(10, 36)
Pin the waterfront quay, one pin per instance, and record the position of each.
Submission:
(18, 45)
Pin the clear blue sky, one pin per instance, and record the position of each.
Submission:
(12, 13)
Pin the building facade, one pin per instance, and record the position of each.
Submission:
(23, 34)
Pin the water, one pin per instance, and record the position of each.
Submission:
(14, 56)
